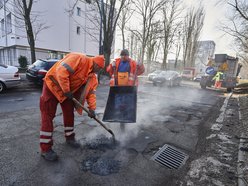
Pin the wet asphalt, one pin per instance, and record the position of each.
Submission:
(164, 116)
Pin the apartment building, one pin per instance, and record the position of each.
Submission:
(205, 51)
(65, 31)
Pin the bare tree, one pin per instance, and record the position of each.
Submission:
(153, 40)
(147, 10)
(134, 45)
(241, 7)
(192, 28)
(109, 13)
(178, 45)
(171, 13)
(24, 8)
(126, 14)
(237, 26)
(28, 20)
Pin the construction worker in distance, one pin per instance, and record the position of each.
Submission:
(218, 79)
(72, 76)
(124, 70)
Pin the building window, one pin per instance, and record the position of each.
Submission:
(78, 30)
(2, 27)
(8, 23)
(78, 11)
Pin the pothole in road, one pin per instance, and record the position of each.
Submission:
(164, 119)
(100, 166)
(102, 143)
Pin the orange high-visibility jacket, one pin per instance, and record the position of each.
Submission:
(88, 93)
(68, 74)
(135, 70)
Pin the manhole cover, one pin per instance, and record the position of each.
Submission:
(170, 157)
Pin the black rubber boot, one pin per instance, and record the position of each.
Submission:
(50, 155)
(73, 143)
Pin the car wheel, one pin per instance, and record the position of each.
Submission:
(178, 83)
(229, 90)
(203, 86)
(2, 87)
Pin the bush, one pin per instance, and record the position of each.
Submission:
(23, 61)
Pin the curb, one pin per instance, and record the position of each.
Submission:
(241, 180)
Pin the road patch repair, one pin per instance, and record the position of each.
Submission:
(100, 166)
(99, 161)
(109, 158)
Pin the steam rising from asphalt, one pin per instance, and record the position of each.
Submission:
(155, 104)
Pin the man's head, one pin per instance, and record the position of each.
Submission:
(124, 55)
(98, 63)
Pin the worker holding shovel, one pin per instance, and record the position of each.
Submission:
(71, 77)
(121, 105)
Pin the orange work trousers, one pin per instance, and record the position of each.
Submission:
(48, 107)
(217, 84)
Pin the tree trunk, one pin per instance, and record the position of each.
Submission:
(123, 39)
(131, 45)
(31, 40)
(29, 28)
(164, 64)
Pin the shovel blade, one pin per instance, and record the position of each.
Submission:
(121, 105)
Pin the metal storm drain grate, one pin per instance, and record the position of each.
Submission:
(170, 157)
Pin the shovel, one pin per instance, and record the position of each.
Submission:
(110, 131)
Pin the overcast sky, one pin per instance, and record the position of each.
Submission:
(215, 15)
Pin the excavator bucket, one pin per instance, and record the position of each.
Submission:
(121, 105)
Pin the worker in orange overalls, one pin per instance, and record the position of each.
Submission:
(124, 70)
(72, 76)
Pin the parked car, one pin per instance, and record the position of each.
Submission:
(153, 74)
(198, 77)
(169, 78)
(9, 77)
(37, 71)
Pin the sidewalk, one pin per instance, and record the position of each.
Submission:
(218, 154)
(243, 147)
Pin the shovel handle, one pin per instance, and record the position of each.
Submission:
(87, 111)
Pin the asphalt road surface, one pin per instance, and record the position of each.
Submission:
(172, 116)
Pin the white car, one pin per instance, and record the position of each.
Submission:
(9, 77)
(153, 74)
(169, 78)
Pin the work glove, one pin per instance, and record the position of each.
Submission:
(113, 64)
(69, 95)
(92, 114)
